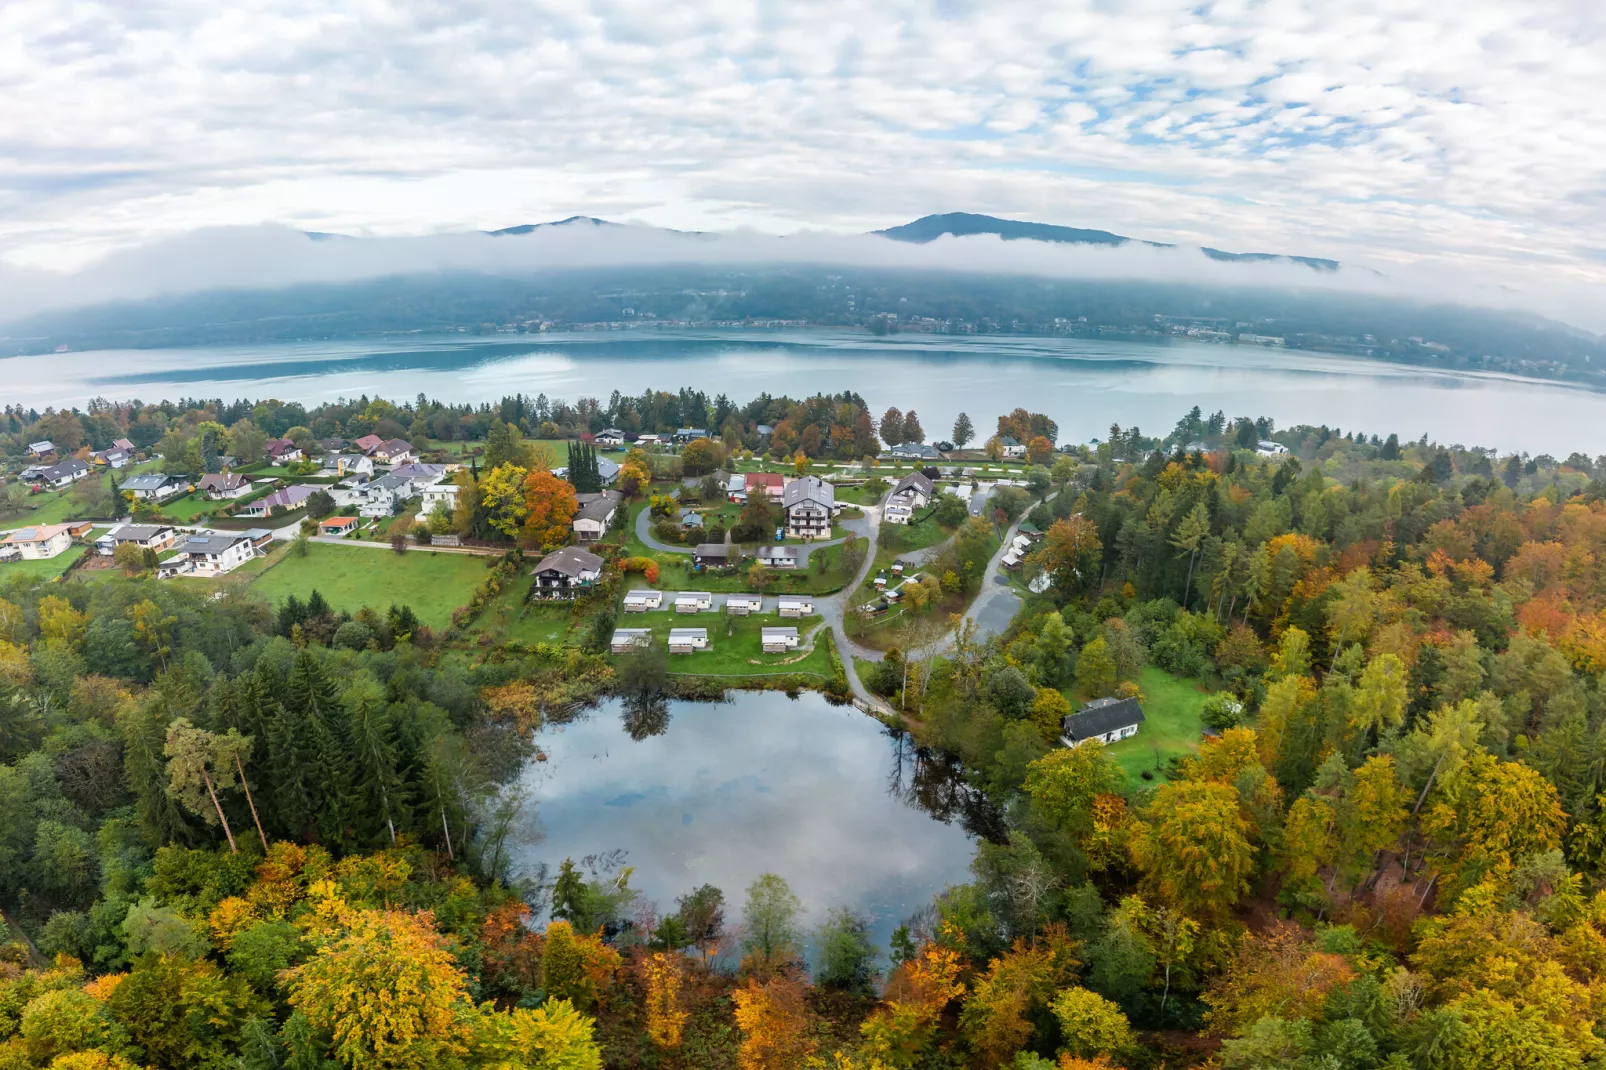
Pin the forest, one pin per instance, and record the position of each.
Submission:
(243, 839)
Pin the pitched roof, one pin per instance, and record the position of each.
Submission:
(916, 480)
(37, 533)
(599, 507)
(41, 447)
(394, 446)
(770, 553)
(571, 561)
(712, 549)
(289, 496)
(419, 473)
(222, 481)
(137, 532)
(765, 479)
(1103, 715)
(123, 444)
(809, 489)
(64, 469)
(147, 482)
(210, 544)
(778, 633)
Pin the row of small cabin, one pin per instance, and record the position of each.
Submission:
(737, 605)
(688, 640)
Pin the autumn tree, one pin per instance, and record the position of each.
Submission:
(775, 1022)
(963, 430)
(891, 429)
(1070, 553)
(1090, 1025)
(502, 497)
(663, 976)
(701, 455)
(1095, 669)
(549, 505)
(1193, 848)
(1039, 450)
(199, 763)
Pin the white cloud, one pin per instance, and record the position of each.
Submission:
(1468, 139)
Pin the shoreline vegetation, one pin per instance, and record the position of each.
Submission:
(268, 820)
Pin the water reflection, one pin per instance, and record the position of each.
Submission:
(719, 793)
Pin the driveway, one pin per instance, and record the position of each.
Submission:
(644, 533)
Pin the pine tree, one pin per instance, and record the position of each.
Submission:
(380, 787)
(312, 691)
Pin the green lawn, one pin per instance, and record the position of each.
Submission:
(916, 536)
(1171, 727)
(47, 569)
(433, 584)
(735, 647)
(185, 508)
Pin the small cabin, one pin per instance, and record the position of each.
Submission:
(641, 601)
(628, 639)
(740, 605)
(687, 640)
(796, 607)
(778, 640)
(693, 602)
(337, 526)
(1108, 720)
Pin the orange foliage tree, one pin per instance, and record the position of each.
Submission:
(774, 1020)
(550, 507)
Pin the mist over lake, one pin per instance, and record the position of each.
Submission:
(1083, 384)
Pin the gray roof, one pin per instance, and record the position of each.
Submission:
(147, 482)
(389, 481)
(209, 544)
(767, 553)
(64, 469)
(712, 549)
(137, 532)
(41, 447)
(1103, 715)
(223, 481)
(571, 561)
(419, 473)
(599, 507)
(289, 496)
(915, 449)
(778, 633)
(808, 489)
(395, 445)
(917, 480)
(687, 633)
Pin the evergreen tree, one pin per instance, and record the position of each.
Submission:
(312, 691)
(380, 788)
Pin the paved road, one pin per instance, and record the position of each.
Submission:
(644, 533)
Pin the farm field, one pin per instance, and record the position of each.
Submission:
(433, 584)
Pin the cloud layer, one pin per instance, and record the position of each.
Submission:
(1469, 137)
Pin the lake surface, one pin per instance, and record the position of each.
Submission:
(1085, 385)
(821, 795)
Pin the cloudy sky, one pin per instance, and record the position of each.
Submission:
(1470, 135)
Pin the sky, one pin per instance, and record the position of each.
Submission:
(1466, 139)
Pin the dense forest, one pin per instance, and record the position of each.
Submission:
(238, 838)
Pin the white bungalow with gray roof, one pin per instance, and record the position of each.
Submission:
(1108, 720)
(64, 474)
(642, 601)
(693, 602)
(795, 607)
(686, 640)
(146, 536)
(740, 605)
(778, 640)
(627, 639)
(154, 487)
(41, 449)
(779, 556)
(214, 555)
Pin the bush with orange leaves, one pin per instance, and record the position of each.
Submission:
(775, 1022)
(900, 1030)
(1276, 972)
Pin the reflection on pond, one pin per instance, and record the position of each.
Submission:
(847, 811)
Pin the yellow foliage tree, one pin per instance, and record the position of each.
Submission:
(553, 1036)
(1193, 847)
(664, 975)
(1090, 1025)
(774, 1020)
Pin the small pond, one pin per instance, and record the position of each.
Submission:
(688, 793)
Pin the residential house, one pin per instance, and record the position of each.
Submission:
(609, 438)
(740, 605)
(810, 503)
(214, 555)
(913, 492)
(38, 542)
(648, 440)
(686, 640)
(64, 474)
(693, 602)
(116, 457)
(595, 515)
(712, 555)
(1106, 719)
(348, 466)
(736, 489)
(369, 443)
(41, 450)
(764, 430)
(565, 573)
(772, 482)
(332, 445)
(1267, 448)
(283, 451)
(419, 475)
(261, 538)
(383, 496)
(641, 601)
(434, 494)
(691, 520)
(913, 451)
(796, 607)
(627, 639)
(123, 444)
(779, 556)
(156, 537)
(1013, 449)
(607, 470)
(283, 500)
(224, 485)
(338, 526)
(395, 451)
(778, 640)
(153, 487)
(687, 434)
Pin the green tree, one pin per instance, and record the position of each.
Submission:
(770, 922)
(1095, 669)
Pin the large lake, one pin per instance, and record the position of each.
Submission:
(1084, 385)
(720, 793)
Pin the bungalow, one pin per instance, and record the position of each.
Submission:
(224, 485)
(687, 434)
(686, 640)
(38, 542)
(796, 607)
(913, 451)
(214, 555)
(395, 451)
(419, 475)
(691, 520)
(347, 466)
(609, 438)
(64, 474)
(369, 443)
(154, 488)
(779, 556)
(564, 573)
(693, 602)
(1012, 560)
(712, 555)
(641, 601)
(913, 492)
(778, 640)
(41, 450)
(773, 482)
(1012, 447)
(648, 440)
(606, 469)
(156, 537)
(434, 494)
(123, 444)
(595, 515)
(286, 499)
(810, 502)
(1106, 719)
(283, 451)
(627, 639)
(338, 526)
(740, 605)
(116, 457)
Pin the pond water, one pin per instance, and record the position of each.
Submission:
(1084, 384)
(719, 793)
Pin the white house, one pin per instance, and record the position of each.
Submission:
(154, 488)
(383, 496)
(609, 438)
(685, 640)
(213, 555)
(912, 493)
(595, 515)
(740, 605)
(283, 451)
(1267, 448)
(1105, 719)
(565, 573)
(779, 556)
(224, 485)
(810, 503)
(146, 536)
(778, 640)
(116, 457)
(39, 542)
(914, 451)
(628, 639)
(693, 602)
(396, 451)
(64, 474)
(796, 607)
(1012, 446)
(641, 601)
(347, 466)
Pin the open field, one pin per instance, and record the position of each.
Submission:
(47, 569)
(1171, 727)
(433, 584)
(734, 643)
